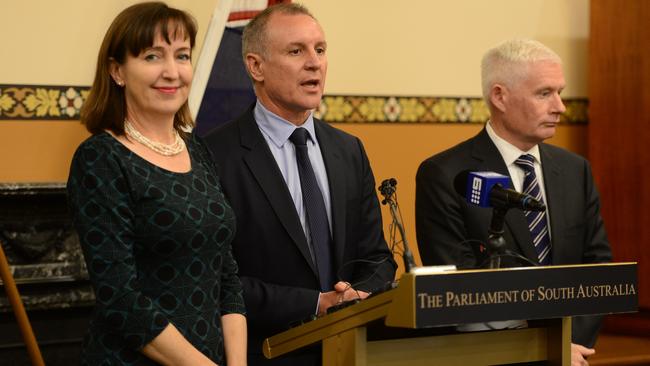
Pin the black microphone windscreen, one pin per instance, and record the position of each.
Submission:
(460, 183)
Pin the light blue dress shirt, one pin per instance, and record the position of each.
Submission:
(276, 132)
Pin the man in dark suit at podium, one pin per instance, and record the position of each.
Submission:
(522, 81)
(309, 231)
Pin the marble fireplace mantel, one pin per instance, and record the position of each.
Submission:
(41, 247)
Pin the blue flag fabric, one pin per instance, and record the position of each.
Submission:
(229, 90)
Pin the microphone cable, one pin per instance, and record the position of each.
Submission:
(507, 254)
(376, 263)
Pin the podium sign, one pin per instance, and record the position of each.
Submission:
(458, 297)
(553, 293)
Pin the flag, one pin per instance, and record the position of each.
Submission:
(221, 88)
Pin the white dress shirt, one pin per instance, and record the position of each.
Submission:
(510, 154)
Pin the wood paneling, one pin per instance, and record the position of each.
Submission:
(617, 350)
(619, 130)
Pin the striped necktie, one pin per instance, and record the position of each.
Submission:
(537, 223)
(317, 220)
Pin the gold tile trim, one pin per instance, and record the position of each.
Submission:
(34, 102)
(41, 102)
(398, 109)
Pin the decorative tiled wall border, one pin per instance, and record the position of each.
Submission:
(37, 102)
(41, 102)
(412, 109)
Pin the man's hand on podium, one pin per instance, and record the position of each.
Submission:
(343, 292)
(579, 354)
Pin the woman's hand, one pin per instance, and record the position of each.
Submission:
(172, 349)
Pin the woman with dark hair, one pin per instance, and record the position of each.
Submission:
(146, 201)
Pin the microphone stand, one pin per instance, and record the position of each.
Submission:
(495, 242)
(387, 189)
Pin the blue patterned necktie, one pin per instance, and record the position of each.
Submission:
(537, 223)
(316, 212)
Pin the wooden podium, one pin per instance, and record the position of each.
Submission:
(420, 313)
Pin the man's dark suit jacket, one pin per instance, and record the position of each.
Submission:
(280, 280)
(444, 220)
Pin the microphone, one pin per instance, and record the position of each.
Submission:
(387, 188)
(489, 189)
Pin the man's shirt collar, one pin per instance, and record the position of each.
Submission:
(510, 152)
(277, 128)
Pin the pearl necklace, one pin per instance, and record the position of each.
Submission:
(172, 149)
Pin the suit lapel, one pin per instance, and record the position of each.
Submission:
(335, 175)
(491, 160)
(262, 165)
(555, 197)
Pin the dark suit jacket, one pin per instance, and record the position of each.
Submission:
(444, 219)
(279, 278)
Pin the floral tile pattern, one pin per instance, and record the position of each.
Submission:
(32, 102)
(35, 102)
(399, 109)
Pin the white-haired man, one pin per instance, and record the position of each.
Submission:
(522, 81)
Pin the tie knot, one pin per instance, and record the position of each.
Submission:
(299, 136)
(526, 162)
